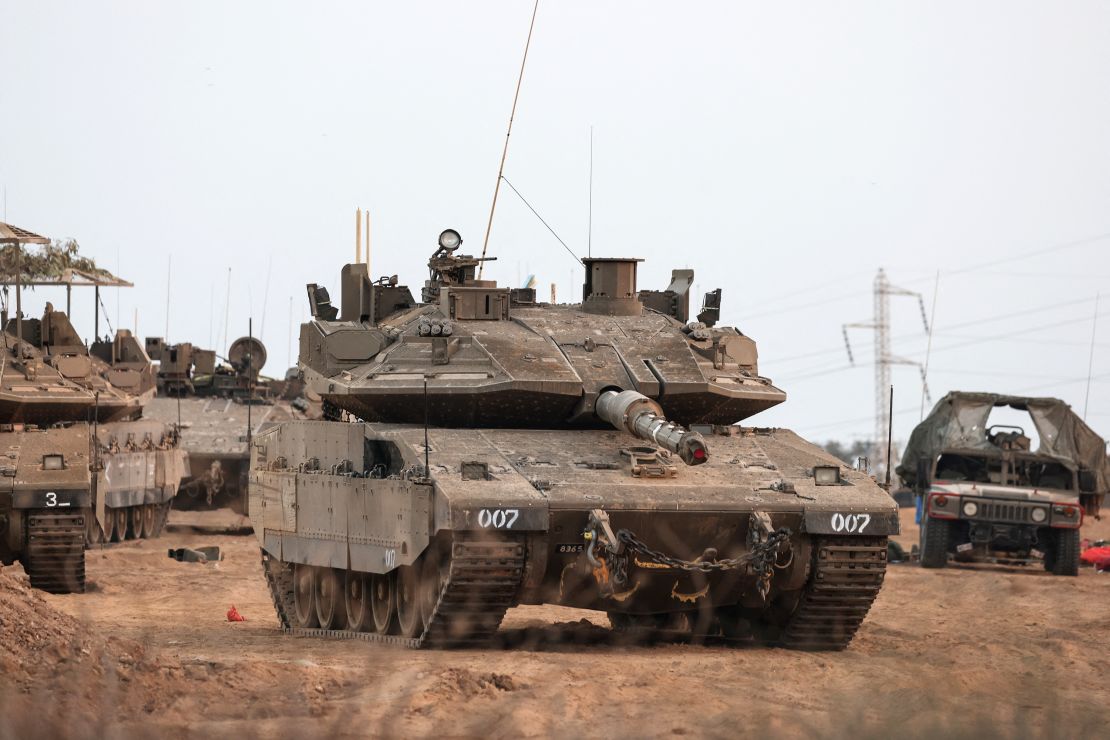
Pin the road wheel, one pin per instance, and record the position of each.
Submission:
(407, 598)
(1065, 553)
(119, 524)
(149, 517)
(330, 609)
(934, 542)
(304, 596)
(381, 601)
(431, 583)
(135, 522)
(94, 535)
(356, 596)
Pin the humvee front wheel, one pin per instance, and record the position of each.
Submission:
(1062, 554)
(935, 534)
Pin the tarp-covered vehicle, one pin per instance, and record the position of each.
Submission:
(983, 494)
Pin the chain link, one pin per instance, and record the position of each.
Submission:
(762, 557)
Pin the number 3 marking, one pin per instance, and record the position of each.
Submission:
(850, 523)
(51, 499)
(498, 518)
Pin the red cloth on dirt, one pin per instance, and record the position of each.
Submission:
(233, 614)
(1097, 556)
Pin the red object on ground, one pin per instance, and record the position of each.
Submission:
(233, 614)
(1097, 556)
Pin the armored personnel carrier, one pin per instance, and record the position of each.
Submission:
(984, 496)
(494, 451)
(213, 404)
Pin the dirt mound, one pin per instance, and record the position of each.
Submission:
(460, 682)
(36, 635)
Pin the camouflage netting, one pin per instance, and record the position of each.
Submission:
(49, 262)
(959, 421)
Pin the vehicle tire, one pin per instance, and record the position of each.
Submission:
(135, 522)
(381, 602)
(934, 542)
(1065, 555)
(119, 524)
(304, 596)
(356, 595)
(431, 583)
(406, 600)
(331, 611)
(150, 519)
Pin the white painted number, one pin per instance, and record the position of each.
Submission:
(850, 523)
(390, 559)
(498, 518)
(51, 499)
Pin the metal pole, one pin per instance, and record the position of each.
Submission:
(96, 313)
(250, 381)
(427, 466)
(169, 271)
(1091, 359)
(889, 437)
(19, 299)
(69, 300)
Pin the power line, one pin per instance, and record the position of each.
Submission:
(947, 273)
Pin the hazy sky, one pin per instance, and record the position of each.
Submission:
(785, 151)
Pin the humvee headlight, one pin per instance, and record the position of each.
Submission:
(971, 508)
(450, 240)
(1038, 515)
(826, 475)
(53, 462)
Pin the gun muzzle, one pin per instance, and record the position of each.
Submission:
(643, 418)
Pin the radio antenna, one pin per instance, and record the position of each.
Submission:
(505, 151)
(590, 219)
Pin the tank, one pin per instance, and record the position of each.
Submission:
(213, 405)
(76, 460)
(140, 461)
(484, 450)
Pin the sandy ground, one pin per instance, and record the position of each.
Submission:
(969, 651)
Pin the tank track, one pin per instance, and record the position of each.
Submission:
(482, 580)
(847, 575)
(55, 554)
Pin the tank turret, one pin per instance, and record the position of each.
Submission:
(490, 356)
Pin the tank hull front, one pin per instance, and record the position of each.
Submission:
(739, 538)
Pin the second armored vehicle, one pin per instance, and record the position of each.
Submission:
(513, 452)
(984, 495)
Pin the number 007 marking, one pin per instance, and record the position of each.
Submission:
(850, 523)
(498, 518)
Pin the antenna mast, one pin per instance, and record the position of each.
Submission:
(505, 151)
(590, 219)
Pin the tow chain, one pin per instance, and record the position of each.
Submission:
(611, 565)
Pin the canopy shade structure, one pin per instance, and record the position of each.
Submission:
(11, 234)
(74, 278)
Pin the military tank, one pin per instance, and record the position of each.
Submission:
(140, 461)
(77, 461)
(213, 404)
(486, 450)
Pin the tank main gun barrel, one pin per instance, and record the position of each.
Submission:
(643, 418)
